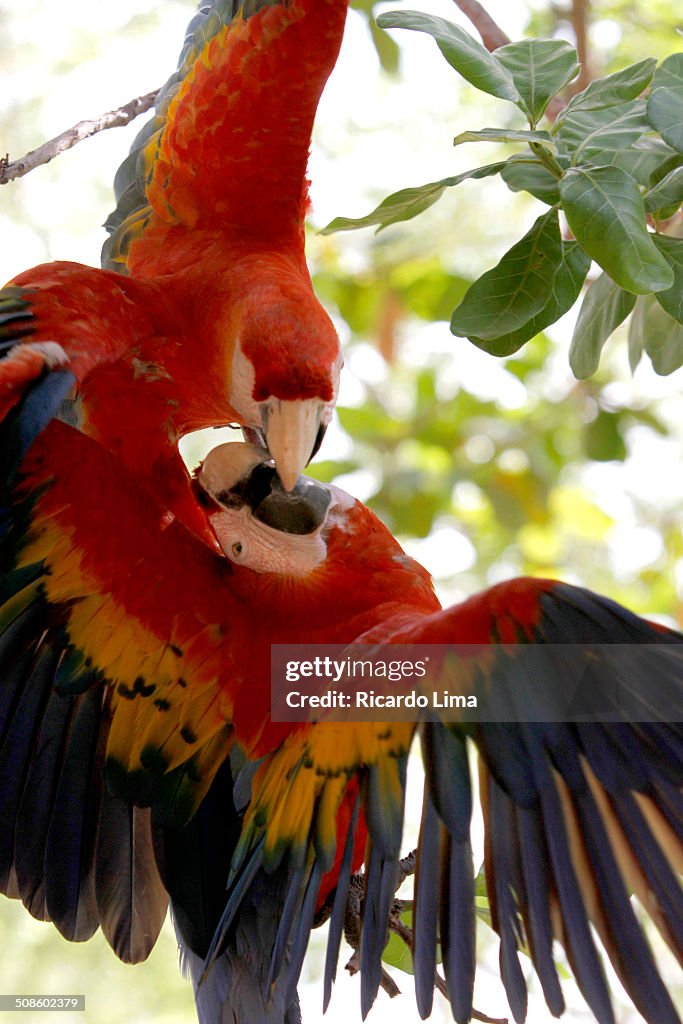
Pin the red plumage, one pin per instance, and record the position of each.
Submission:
(216, 322)
(139, 608)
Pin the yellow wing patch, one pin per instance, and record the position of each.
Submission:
(297, 790)
(167, 703)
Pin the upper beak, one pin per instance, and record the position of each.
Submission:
(291, 432)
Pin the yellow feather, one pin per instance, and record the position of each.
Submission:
(670, 844)
(12, 608)
(120, 743)
(577, 851)
(629, 867)
(326, 817)
(209, 760)
(291, 818)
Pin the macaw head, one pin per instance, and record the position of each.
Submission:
(285, 374)
(315, 534)
(257, 522)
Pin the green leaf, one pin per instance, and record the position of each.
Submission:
(326, 470)
(586, 134)
(529, 174)
(564, 292)
(603, 440)
(472, 60)
(426, 288)
(672, 299)
(636, 331)
(665, 111)
(669, 74)
(359, 301)
(667, 193)
(408, 202)
(606, 214)
(604, 307)
(387, 49)
(665, 105)
(507, 297)
(644, 159)
(482, 909)
(611, 90)
(396, 952)
(540, 69)
(653, 330)
(370, 422)
(503, 135)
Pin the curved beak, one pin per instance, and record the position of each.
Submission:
(236, 475)
(291, 432)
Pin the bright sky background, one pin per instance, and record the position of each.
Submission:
(374, 136)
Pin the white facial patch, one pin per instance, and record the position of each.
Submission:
(328, 407)
(242, 388)
(341, 503)
(246, 541)
(242, 393)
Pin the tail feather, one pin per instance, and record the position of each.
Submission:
(234, 990)
(458, 925)
(339, 909)
(426, 907)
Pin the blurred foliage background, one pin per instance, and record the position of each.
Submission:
(484, 468)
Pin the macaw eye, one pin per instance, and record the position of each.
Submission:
(237, 548)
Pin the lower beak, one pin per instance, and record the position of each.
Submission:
(291, 431)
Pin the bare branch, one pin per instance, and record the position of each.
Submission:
(578, 15)
(491, 34)
(579, 20)
(478, 1015)
(406, 868)
(83, 130)
(353, 918)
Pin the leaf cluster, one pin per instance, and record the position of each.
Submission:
(611, 163)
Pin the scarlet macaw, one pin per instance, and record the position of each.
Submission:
(144, 654)
(212, 318)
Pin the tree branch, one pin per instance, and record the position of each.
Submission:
(491, 34)
(353, 927)
(83, 130)
(579, 20)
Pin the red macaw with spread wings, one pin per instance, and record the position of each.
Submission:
(139, 758)
(141, 655)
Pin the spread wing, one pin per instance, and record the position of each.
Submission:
(116, 643)
(125, 661)
(228, 144)
(63, 319)
(131, 598)
(579, 816)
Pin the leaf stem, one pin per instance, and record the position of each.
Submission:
(547, 159)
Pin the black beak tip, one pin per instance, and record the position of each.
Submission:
(319, 437)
